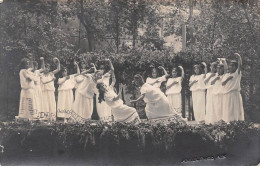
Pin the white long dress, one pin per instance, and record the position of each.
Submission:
(65, 97)
(232, 101)
(157, 84)
(103, 110)
(198, 97)
(120, 111)
(38, 91)
(210, 116)
(48, 97)
(217, 100)
(157, 105)
(83, 104)
(174, 94)
(27, 107)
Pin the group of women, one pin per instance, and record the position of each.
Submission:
(215, 95)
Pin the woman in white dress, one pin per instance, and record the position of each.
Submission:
(210, 116)
(104, 110)
(65, 93)
(157, 105)
(27, 107)
(232, 101)
(154, 80)
(197, 87)
(38, 89)
(120, 111)
(173, 90)
(83, 103)
(217, 94)
(48, 89)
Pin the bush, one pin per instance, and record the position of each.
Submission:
(143, 144)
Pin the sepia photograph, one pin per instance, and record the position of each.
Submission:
(129, 83)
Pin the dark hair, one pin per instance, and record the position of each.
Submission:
(234, 63)
(152, 69)
(23, 63)
(199, 66)
(48, 65)
(35, 63)
(101, 95)
(177, 70)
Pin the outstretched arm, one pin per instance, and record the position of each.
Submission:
(214, 81)
(193, 82)
(58, 65)
(239, 62)
(110, 65)
(164, 71)
(228, 79)
(174, 83)
(208, 78)
(137, 100)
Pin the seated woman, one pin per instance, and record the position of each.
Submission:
(157, 105)
(120, 111)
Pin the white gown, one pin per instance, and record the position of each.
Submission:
(103, 110)
(65, 97)
(232, 101)
(48, 97)
(174, 94)
(38, 91)
(217, 101)
(210, 116)
(83, 104)
(27, 107)
(157, 105)
(198, 97)
(120, 111)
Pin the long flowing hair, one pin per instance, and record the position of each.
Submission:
(101, 96)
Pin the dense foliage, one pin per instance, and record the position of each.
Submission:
(143, 144)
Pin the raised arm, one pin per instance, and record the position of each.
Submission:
(113, 80)
(182, 72)
(239, 62)
(205, 69)
(42, 65)
(110, 65)
(58, 65)
(225, 65)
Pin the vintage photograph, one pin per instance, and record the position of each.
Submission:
(129, 82)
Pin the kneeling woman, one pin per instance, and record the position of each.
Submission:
(157, 105)
(120, 111)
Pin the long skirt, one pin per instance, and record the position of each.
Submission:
(27, 108)
(103, 110)
(49, 103)
(199, 107)
(65, 101)
(210, 114)
(83, 106)
(38, 98)
(124, 113)
(175, 102)
(232, 107)
(218, 107)
(158, 109)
